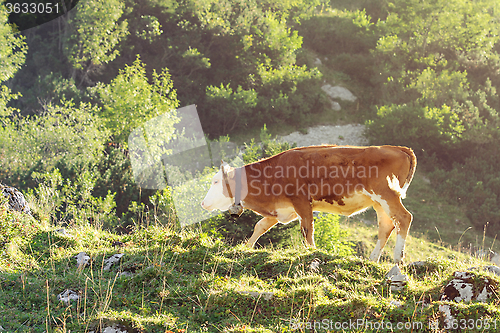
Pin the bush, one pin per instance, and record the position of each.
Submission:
(475, 185)
(329, 235)
(66, 133)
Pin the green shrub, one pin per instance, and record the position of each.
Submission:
(475, 185)
(330, 236)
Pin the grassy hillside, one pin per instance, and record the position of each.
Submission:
(187, 281)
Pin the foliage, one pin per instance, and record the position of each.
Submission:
(330, 237)
(62, 133)
(71, 202)
(130, 99)
(93, 34)
(475, 185)
(14, 224)
(12, 54)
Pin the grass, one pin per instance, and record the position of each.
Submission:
(186, 281)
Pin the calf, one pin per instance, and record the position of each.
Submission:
(336, 179)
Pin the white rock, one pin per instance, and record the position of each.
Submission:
(314, 266)
(67, 295)
(62, 231)
(255, 294)
(396, 303)
(317, 62)
(113, 329)
(496, 259)
(335, 106)
(125, 274)
(493, 269)
(108, 263)
(338, 92)
(448, 317)
(82, 259)
(351, 134)
(398, 279)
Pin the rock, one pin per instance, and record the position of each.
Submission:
(67, 296)
(82, 259)
(62, 232)
(114, 329)
(255, 294)
(416, 264)
(396, 303)
(464, 288)
(335, 106)
(495, 259)
(317, 62)
(492, 269)
(338, 92)
(352, 134)
(108, 263)
(398, 279)
(125, 274)
(17, 201)
(314, 266)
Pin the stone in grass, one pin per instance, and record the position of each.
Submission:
(495, 259)
(16, 199)
(492, 269)
(82, 259)
(115, 328)
(67, 296)
(126, 274)
(464, 288)
(62, 232)
(114, 259)
(255, 294)
(398, 279)
(314, 266)
(395, 303)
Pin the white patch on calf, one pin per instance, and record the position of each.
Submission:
(394, 185)
(399, 248)
(376, 252)
(378, 199)
(215, 198)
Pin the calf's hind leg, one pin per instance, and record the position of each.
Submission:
(385, 227)
(401, 219)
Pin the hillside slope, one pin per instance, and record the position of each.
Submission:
(170, 281)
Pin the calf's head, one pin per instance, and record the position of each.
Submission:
(218, 196)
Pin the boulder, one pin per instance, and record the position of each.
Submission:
(464, 287)
(114, 259)
(68, 296)
(339, 92)
(16, 199)
(397, 279)
(82, 259)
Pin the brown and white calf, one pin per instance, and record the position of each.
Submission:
(336, 179)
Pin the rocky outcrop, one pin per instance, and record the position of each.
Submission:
(16, 199)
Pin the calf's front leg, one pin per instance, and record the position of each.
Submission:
(261, 228)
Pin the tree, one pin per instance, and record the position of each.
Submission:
(129, 99)
(94, 34)
(12, 54)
